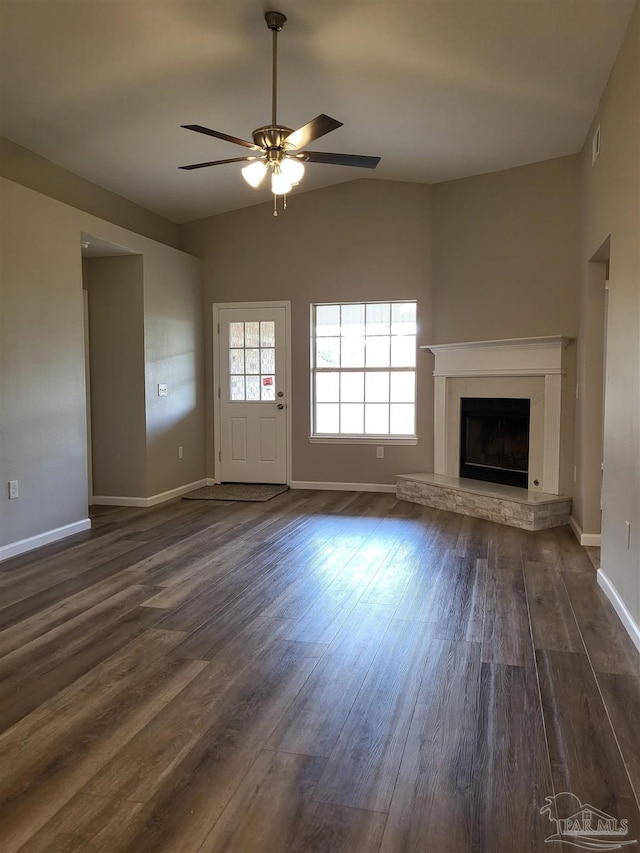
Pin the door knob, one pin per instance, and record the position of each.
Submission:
(281, 405)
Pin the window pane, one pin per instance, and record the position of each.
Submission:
(378, 316)
(267, 333)
(377, 352)
(403, 387)
(328, 352)
(252, 334)
(403, 352)
(351, 418)
(268, 388)
(352, 387)
(236, 387)
(327, 320)
(252, 387)
(327, 387)
(352, 320)
(252, 360)
(377, 387)
(236, 361)
(236, 334)
(267, 361)
(403, 318)
(327, 417)
(376, 419)
(352, 352)
(402, 420)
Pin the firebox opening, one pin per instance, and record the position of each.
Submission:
(494, 440)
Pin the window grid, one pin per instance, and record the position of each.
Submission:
(372, 395)
(252, 361)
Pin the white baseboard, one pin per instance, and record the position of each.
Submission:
(633, 629)
(116, 500)
(342, 487)
(40, 539)
(591, 540)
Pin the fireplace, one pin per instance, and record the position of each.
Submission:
(494, 440)
(532, 369)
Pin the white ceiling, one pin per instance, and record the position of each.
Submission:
(440, 89)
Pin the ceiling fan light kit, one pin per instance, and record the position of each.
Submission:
(278, 147)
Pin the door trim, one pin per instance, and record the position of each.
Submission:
(220, 306)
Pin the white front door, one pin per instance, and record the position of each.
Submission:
(252, 361)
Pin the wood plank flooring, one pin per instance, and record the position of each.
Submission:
(334, 672)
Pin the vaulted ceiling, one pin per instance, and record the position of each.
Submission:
(440, 89)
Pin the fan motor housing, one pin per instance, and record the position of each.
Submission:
(271, 136)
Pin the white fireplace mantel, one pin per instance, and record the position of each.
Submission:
(510, 359)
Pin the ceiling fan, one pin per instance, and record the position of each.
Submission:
(278, 148)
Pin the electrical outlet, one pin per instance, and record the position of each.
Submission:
(180, 452)
(379, 452)
(13, 490)
(163, 390)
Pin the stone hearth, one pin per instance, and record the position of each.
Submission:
(491, 501)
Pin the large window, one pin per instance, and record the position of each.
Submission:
(364, 370)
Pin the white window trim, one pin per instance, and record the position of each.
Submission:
(342, 438)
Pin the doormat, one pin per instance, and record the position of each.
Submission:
(236, 492)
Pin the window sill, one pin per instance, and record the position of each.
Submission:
(387, 440)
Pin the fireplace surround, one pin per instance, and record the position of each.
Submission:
(531, 369)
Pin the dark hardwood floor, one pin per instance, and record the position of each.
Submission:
(327, 671)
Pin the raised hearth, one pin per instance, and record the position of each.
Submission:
(492, 501)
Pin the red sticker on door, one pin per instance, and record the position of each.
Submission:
(267, 380)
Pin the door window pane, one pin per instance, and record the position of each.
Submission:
(236, 334)
(268, 388)
(236, 361)
(252, 334)
(236, 387)
(252, 387)
(267, 333)
(267, 360)
(252, 361)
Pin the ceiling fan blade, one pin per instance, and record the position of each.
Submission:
(341, 159)
(217, 162)
(317, 127)
(200, 129)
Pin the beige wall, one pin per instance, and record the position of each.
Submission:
(505, 248)
(24, 167)
(43, 413)
(174, 356)
(612, 208)
(119, 440)
(364, 240)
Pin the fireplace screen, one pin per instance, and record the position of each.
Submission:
(494, 440)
